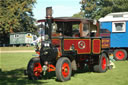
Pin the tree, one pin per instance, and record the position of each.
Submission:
(96, 9)
(16, 16)
(78, 15)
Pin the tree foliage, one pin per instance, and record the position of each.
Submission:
(78, 15)
(16, 16)
(98, 8)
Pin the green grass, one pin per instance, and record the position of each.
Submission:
(16, 48)
(14, 64)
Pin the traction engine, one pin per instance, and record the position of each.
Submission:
(69, 45)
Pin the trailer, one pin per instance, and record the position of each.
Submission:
(66, 49)
(117, 25)
(22, 38)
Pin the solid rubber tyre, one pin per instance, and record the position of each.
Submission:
(63, 69)
(103, 64)
(34, 69)
(120, 54)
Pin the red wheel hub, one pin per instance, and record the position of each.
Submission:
(103, 63)
(65, 69)
(37, 69)
(120, 55)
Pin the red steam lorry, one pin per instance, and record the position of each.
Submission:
(65, 49)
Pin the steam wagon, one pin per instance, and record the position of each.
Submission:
(117, 25)
(69, 44)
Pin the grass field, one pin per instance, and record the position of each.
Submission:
(13, 66)
(16, 48)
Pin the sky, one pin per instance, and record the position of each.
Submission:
(61, 8)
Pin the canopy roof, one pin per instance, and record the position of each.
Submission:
(67, 19)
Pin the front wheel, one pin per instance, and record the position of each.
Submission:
(63, 69)
(102, 66)
(34, 69)
(120, 54)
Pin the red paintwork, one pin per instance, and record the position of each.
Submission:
(37, 69)
(43, 20)
(120, 55)
(51, 68)
(56, 42)
(69, 42)
(37, 52)
(103, 64)
(96, 46)
(65, 70)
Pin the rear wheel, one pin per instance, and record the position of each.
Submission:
(120, 54)
(103, 61)
(34, 69)
(63, 69)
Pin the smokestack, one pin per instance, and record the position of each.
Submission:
(49, 12)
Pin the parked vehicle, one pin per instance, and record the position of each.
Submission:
(66, 49)
(22, 38)
(117, 25)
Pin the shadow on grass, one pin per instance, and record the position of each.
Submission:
(52, 75)
(49, 75)
(16, 77)
(80, 71)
